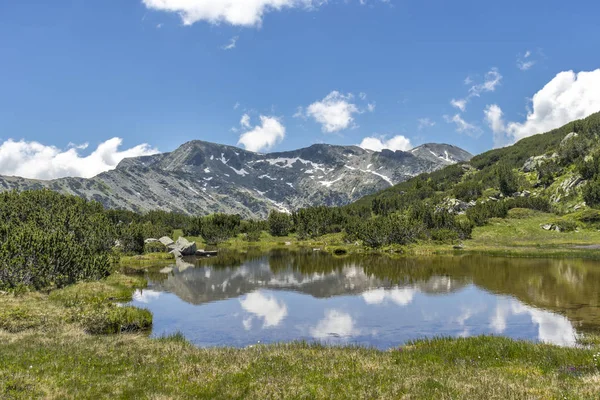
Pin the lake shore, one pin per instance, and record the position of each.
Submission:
(78, 343)
(63, 344)
(510, 237)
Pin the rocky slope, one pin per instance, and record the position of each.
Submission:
(203, 178)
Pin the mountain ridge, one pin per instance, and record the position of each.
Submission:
(201, 177)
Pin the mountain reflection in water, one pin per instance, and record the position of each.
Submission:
(241, 299)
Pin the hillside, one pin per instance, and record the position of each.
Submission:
(561, 166)
(201, 178)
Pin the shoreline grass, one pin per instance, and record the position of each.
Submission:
(72, 364)
(78, 343)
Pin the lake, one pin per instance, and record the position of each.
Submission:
(240, 299)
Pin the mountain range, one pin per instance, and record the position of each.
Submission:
(203, 178)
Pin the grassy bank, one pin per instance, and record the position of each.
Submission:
(72, 364)
(78, 343)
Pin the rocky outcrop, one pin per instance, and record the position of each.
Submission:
(533, 163)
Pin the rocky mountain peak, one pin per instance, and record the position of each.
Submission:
(202, 177)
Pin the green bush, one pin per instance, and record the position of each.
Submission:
(589, 217)
(444, 235)
(155, 247)
(280, 224)
(51, 240)
(565, 225)
(591, 193)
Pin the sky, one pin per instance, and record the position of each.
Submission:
(84, 84)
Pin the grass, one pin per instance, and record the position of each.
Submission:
(78, 343)
(89, 306)
(71, 364)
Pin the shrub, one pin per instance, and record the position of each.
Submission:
(591, 193)
(444, 235)
(565, 225)
(507, 179)
(155, 247)
(280, 224)
(51, 240)
(589, 217)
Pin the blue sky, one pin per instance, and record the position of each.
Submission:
(158, 72)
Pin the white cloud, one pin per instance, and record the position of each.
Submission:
(399, 296)
(425, 123)
(371, 107)
(335, 324)
(234, 12)
(568, 96)
(335, 112)
(232, 43)
(236, 105)
(490, 82)
(263, 136)
(265, 307)
(525, 62)
(493, 116)
(460, 104)
(463, 126)
(38, 161)
(398, 142)
(245, 121)
(552, 328)
(146, 296)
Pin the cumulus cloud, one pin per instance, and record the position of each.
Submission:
(336, 324)
(463, 126)
(398, 142)
(567, 97)
(335, 112)
(552, 328)
(264, 136)
(400, 296)
(38, 161)
(265, 307)
(235, 12)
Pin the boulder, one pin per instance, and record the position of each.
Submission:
(185, 247)
(167, 241)
(534, 162)
(176, 253)
(150, 240)
(547, 227)
(567, 138)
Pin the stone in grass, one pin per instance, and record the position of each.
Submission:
(167, 241)
(547, 227)
(150, 240)
(185, 247)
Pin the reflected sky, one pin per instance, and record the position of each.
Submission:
(250, 303)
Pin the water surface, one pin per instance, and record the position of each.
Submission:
(240, 300)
